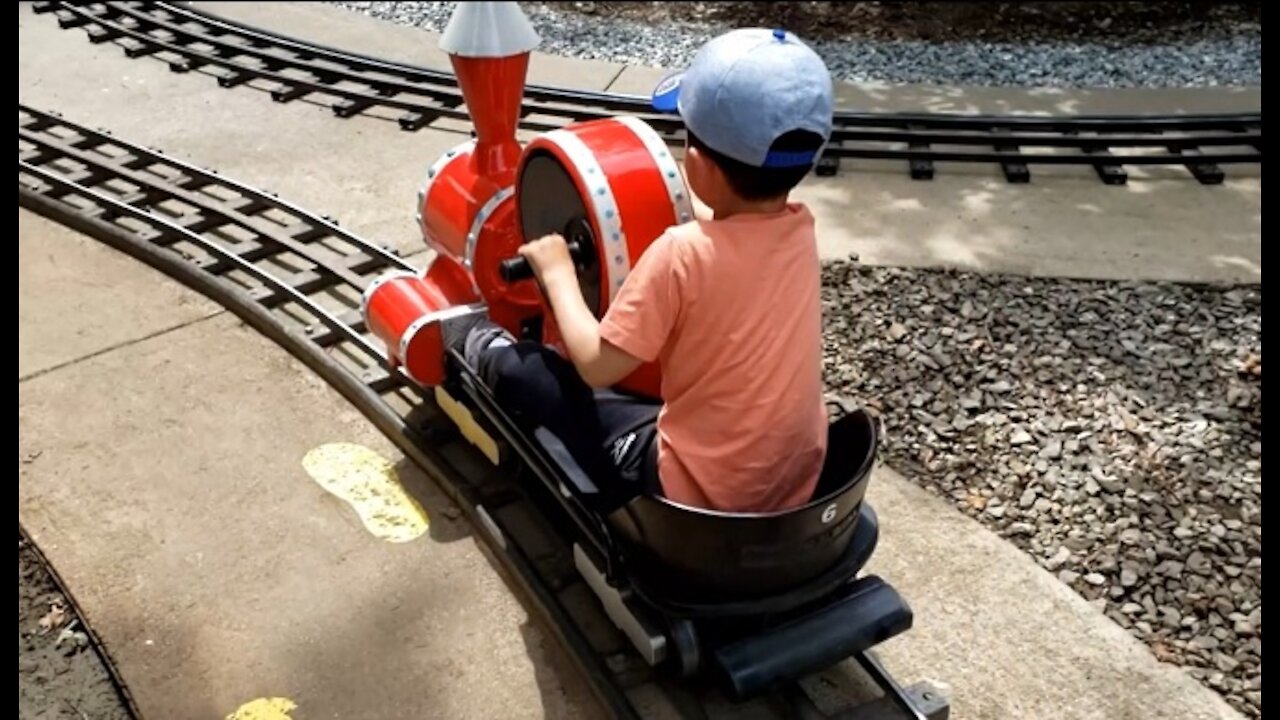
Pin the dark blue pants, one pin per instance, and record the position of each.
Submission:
(610, 435)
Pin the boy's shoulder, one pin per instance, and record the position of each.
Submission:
(685, 233)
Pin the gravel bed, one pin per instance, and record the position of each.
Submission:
(60, 675)
(1111, 430)
(1190, 54)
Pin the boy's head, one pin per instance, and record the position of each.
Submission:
(757, 105)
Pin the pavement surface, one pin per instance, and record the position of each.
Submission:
(168, 483)
(174, 477)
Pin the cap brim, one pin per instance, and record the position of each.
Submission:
(666, 94)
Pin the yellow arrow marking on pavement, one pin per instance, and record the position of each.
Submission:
(276, 708)
(368, 482)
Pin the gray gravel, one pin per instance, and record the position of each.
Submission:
(1177, 57)
(1113, 431)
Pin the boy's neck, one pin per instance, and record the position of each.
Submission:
(738, 206)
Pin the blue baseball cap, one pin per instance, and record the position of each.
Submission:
(747, 88)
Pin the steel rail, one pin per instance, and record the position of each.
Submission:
(356, 83)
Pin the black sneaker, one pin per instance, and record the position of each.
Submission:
(471, 334)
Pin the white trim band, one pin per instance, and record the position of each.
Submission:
(677, 191)
(432, 317)
(477, 223)
(604, 206)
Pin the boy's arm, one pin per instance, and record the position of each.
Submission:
(600, 363)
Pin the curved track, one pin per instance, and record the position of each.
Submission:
(297, 278)
(350, 84)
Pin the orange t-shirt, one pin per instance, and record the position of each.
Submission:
(731, 310)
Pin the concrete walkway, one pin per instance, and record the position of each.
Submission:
(161, 443)
(161, 470)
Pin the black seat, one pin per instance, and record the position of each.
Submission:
(692, 554)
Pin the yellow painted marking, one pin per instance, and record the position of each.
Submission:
(276, 708)
(467, 424)
(368, 482)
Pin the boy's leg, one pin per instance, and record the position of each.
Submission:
(538, 387)
(631, 438)
(606, 433)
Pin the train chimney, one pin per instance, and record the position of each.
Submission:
(489, 45)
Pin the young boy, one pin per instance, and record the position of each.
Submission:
(727, 304)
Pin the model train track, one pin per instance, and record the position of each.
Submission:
(297, 278)
(350, 84)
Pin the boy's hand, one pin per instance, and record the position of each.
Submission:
(549, 256)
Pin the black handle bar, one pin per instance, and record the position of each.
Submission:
(518, 268)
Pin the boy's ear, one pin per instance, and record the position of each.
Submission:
(705, 166)
(693, 162)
